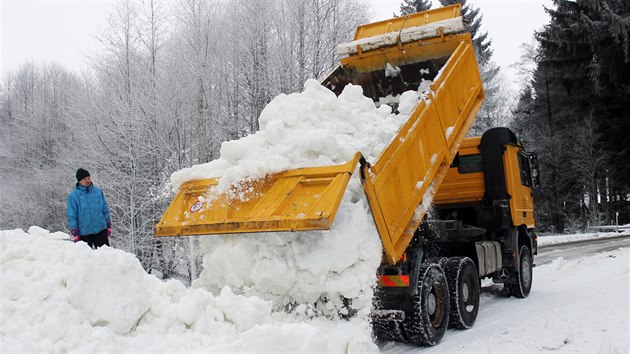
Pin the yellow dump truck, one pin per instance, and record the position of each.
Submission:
(481, 187)
(483, 226)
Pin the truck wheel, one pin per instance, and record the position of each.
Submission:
(463, 283)
(426, 323)
(441, 261)
(521, 286)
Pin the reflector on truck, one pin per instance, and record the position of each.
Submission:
(393, 280)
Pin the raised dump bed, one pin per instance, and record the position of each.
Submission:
(386, 59)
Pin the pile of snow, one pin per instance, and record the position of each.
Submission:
(58, 296)
(391, 70)
(311, 273)
(257, 292)
(310, 128)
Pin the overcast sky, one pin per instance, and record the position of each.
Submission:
(509, 23)
(64, 31)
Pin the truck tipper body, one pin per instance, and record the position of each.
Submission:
(481, 187)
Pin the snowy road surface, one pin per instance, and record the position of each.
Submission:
(578, 304)
(61, 297)
(578, 249)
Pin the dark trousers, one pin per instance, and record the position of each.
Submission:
(96, 240)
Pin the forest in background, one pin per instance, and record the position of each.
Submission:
(575, 112)
(176, 79)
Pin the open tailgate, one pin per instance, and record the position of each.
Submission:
(293, 200)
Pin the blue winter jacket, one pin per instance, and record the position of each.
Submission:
(87, 210)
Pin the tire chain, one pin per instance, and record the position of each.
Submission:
(388, 331)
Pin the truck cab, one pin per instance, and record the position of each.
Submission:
(487, 200)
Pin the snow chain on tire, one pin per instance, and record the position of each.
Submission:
(388, 331)
(521, 286)
(428, 321)
(464, 286)
(441, 261)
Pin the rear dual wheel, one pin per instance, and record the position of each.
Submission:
(427, 322)
(441, 261)
(463, 283)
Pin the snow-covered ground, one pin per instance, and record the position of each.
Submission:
(58, 296)
(575, 306)
(306, 272)
(280, 292)
(565, 238)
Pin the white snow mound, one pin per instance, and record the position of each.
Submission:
(310, 128)
(315, 269)
(58, 296)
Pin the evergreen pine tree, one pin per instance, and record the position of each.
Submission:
(587, 44)
(412, 6)
(473, 18)
(494, 102)
(581, 95)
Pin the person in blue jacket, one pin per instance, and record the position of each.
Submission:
(88, 212)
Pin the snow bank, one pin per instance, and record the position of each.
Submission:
(43, 310)
(547, 240)
(311, 273)
(257, 292)
(58, 296)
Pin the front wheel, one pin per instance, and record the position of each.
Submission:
(428, 321)
(521, 286)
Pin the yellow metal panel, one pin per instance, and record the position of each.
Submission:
(300, 199)
(415, 163)
(399, 23)
(404, 54)
(399, 186)
(470, 146)
(521, 201)
(462, 188)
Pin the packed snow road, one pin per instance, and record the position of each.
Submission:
(578, 249)
(578, 304)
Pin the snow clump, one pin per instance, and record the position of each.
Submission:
(59, 296)
(312, 271)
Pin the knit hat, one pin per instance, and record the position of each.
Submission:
(81, 174)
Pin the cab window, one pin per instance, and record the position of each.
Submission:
(469, 164)
(523, 164)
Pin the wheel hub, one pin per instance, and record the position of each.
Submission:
(465, 292)
(526, 271)
(431, 304)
